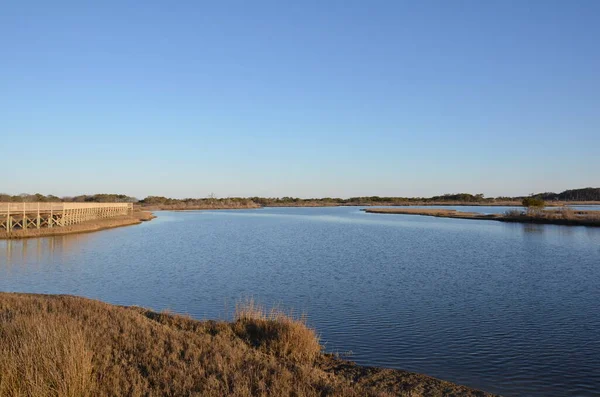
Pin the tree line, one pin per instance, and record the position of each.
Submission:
(93, 198)
(585, 194)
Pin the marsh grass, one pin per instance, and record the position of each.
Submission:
(69, 346)
(276, 332)
(561, 216)
(562, 213)
(54, 346)
(44, 356)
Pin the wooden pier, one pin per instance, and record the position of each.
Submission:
(23, 216)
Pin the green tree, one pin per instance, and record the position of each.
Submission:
(533, 203)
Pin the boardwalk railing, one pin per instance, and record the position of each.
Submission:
(22, 216)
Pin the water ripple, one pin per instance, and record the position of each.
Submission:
(507, 308)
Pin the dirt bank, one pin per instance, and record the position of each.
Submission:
(84, 227)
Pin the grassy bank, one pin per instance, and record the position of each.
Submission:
(71, 346)
(195, 207)
(84, 227)
(563, 216)
(221, 206)
(511, 203)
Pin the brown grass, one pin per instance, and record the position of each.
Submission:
(44, 356)
(561, 216)
(70, 346)
(196, 207)
(445, 213)
(276, 333)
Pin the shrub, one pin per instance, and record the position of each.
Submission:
(567, 213)
(534, 203)
(276, 332)
(513, 213)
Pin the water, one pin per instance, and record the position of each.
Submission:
(508, 308)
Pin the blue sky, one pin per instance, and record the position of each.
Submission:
(306, 98)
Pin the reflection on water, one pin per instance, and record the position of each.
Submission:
(506, 307)
(36, 250)
(532, 228)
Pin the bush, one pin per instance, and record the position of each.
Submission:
(276, 333)
(513, 213)
(533, 203)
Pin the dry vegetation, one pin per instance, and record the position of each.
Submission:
(70, 346)
(192, 207)
(439, 212)
(561, 216)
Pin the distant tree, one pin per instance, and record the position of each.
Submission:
(211, 198)
(533, 203)
(26, 197)
(154, 200)
(39, 197)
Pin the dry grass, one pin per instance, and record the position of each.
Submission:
(441, 212)
(44, 356)
(561, 216)
(221, 205)
(276, 333)
(70, 346)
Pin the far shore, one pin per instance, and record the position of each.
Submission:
(563, 216)
(566, 217)
(181, 207)
(84, 227)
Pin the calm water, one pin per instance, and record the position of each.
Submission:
(507, 308)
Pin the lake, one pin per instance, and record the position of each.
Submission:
(508, 308)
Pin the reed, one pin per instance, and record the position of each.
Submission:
(276, 332)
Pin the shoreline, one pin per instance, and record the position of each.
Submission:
(545, 217)
(403, 204)
(84, 227)
(137, 345)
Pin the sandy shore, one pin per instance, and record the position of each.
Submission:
(84, 227)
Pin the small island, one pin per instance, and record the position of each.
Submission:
(534, 212)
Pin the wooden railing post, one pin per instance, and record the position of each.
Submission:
(41, 214)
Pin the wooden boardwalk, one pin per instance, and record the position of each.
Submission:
(23, 216)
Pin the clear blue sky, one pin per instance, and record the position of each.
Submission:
(303, 98)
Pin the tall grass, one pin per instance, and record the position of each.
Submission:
(276, 332)
(68, 346)
(54, 346)
(44, 356)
